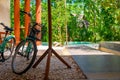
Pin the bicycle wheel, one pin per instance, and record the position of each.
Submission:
(9, 48)
(24, 56)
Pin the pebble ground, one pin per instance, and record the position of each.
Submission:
(58, 71)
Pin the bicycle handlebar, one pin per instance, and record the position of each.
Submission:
(6, 27)
(26, 13)
(33, 29)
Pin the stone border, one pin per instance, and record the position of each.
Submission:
(112, 47)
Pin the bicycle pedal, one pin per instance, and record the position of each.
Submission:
(20, 53)
(2, 60)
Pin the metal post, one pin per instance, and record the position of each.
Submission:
(27, 18)
(17, 20)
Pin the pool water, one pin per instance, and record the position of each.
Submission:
(77, 44)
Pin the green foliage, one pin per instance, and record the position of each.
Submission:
(79, 20)
(58, 21)
(11, 12)
(102, 15)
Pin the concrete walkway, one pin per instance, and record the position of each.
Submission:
(95, 64)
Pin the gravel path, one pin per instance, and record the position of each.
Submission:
(58, 71)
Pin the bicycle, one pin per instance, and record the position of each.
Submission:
(26, 50)
(7, 45)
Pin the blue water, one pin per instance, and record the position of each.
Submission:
(44, 43)
(70, 43)
(77, 44)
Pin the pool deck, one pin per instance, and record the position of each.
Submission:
(95, 64)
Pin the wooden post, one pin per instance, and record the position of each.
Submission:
(27, 18)
(17, 20)
(49, 51)
(38, 17)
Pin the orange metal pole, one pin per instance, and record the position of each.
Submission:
(38, 17)
(38, 11)
(27, 18)
(17, 20)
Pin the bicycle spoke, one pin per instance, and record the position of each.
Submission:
(9, 47)
(24, 57)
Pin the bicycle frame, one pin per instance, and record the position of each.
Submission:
(28, 48)
(2, 45)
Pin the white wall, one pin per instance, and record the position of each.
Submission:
(5, 12)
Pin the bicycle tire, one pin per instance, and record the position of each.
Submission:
(19, 65)
(9, 48)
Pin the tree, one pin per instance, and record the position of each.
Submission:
(102, 17)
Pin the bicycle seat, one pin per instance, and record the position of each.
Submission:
(6, 27)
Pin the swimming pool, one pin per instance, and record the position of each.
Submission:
(77, 44)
